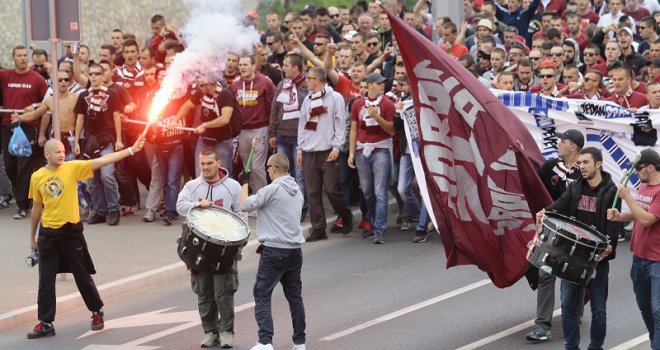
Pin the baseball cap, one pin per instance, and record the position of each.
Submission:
(375, 78)
(648, 157)
(573, 135)
(252, 14)
(349, 36)
(625, 29)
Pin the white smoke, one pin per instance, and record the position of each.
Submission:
(214, 29)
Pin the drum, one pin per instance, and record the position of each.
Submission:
(211, 239)
(566, 248)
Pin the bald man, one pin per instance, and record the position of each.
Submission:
(53, 189)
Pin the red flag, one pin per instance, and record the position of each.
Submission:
(480, 184)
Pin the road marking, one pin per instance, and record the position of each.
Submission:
(644, 338)
(407, 310)
(504, 333)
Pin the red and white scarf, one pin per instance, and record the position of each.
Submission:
(316, 109)
(289, 97)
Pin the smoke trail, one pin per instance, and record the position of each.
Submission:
(213, 30)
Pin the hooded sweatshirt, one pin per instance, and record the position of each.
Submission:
(224, 193)
(279, 206)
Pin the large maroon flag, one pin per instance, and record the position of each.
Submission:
(482, 187)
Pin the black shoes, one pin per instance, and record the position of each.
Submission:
(42, 329)
(113, 218)
(347, 225)
(316, 235)
(96, 219)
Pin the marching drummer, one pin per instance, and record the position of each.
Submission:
(279, 207)
(588, 199)
(215, 292)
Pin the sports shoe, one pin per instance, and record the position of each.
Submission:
(113, 218)
(337, 225)
(316, 235)
(210, 339)
(97, 320)
(96, 219)
(406, 224)
(420, 237)
(42, 329)
(298, 347)
(149, 216)
(20, 214)
(539, 334)
(367, 226)
(167, 219)
(260, 346)
(4, 202)
(347, 225)
(622, 236)
(379, 238)
(226, 340)
(364, 221)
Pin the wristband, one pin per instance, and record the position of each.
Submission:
(130, 151)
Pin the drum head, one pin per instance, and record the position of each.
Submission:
(574, 227)
(218, 224)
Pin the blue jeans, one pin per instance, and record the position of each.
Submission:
(349, 182)
(288, 145)
(224, 149)
(406, 177)
(170, 163)
(283, 266)
(645, 275)
(103, 187)
(571, 296)
(424, 218)
(374, 175)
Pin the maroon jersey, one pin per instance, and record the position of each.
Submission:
(369, 130)
(20, 91)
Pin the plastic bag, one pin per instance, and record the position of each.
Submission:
(19, 145)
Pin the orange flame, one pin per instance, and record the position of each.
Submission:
(159, 103)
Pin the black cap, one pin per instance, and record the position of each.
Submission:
(649, 157)
(375, 78)
(573, 135)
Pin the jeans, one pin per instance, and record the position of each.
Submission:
(406, 177)
(128, 171)
(103, 187)
(283, 266)
(645, 275)
(170, 162)
(224, 149)
(374, 173)
(571, 296)
(350, 181)
(424, 218)
(288, 145)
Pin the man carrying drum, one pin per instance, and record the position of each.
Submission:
(215, 292)
(645, 242)
(279, 207)
(588, 199)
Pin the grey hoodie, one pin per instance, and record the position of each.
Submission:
(279, 206)
(225, 193)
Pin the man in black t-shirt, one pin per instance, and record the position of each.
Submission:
(98, 116)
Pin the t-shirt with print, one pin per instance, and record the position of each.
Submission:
(254, 99)
(645, 241)
(58, 190)
(211, 108)
(20, 91)
(98, 107)
(587, 205)
(369, 130)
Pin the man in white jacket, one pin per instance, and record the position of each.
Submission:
(215, 292)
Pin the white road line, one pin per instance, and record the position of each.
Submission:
(632, 342)
(504, 333)
(407, 310)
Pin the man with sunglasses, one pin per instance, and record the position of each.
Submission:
(645, 242)
(549, 86)
(647, 30)
(276, 47)
(67, 118)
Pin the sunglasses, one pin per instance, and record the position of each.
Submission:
(63, 80)
(589, 54)
(639, 168)
(546, 76)
(535, 58)
(334, 16)
(587, 79)
(372, 44)
(95, 74)
(270, 43)
(642, 28)
(319, 44)
(556, 54)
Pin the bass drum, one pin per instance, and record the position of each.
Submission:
(566, 248)
(212, 239)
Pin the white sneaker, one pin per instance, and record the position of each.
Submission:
(260, 346)
(298, 347)
(226, 340)
(210, 339)
(149, 216)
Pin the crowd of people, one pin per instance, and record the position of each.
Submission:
(326, 88)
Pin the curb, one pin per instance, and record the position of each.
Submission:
(18, 318)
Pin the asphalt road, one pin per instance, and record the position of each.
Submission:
(357, 296)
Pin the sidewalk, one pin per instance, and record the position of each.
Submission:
(127, 257)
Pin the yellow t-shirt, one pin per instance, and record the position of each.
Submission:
(58, 191)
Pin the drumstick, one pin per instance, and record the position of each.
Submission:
(624, 182)
(249, 161)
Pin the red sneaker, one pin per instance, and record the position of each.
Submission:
(337, 225)
(365, 222)
(97, 320)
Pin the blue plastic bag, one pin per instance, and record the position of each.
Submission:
(19, 145)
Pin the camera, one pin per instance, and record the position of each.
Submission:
(32, 259)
